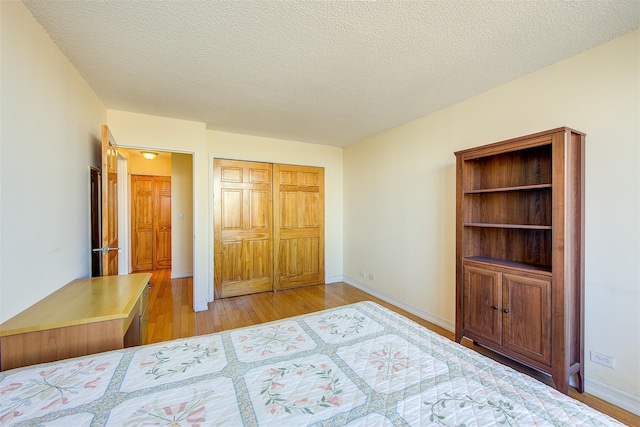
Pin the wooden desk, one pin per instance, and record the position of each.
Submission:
(83, 317)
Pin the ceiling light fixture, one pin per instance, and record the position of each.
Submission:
(149, 155)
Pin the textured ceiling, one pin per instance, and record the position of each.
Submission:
(330, 72)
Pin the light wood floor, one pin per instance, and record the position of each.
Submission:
(171, 316)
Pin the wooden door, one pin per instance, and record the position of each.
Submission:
(526, 316)
(162, 223)
(243, 236)
(298, 207)
(142, 222)
(109, 204)
(481, 305)
(151, 222)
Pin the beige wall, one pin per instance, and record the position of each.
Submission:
(181, 215)
(50, 134)
(138, 165)
(400, 205)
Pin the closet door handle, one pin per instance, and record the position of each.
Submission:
(506, 310)
(495, 307)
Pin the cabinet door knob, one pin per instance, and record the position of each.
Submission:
(506, 310)
(495, 307)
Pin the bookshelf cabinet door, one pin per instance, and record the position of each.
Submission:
(482, 316)
(527, 316)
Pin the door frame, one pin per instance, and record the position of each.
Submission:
(124, 262)
(95, 220)
(194, 205)
(212, 209)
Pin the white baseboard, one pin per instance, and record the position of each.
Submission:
(181, 275)
(627, 401)
(429, 317)
(333, 279)
(200, 306)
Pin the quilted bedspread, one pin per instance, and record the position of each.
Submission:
(357, 365)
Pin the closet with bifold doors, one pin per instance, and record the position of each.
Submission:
(268, 227)
(150, 222)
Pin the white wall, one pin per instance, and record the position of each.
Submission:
(246, 147)
(50, 134)
(400, 198)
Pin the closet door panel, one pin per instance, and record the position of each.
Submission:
(142, 222)
(231, 259)
(298, 262)
(298, 226)
(310, 256)
(309, 206)
(243, 244)
(151, 222)
(231, 210)
(260, 210)
(288, 212)
(288, 258)
(162, 223)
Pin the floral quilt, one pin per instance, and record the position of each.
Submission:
(357, 365)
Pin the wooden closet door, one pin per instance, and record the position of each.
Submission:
(142, 222)
(151, 222)
(162, 222)
(243, 233)
(298, 208)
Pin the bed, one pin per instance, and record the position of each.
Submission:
(356, 365)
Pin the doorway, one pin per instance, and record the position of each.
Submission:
(177, 213)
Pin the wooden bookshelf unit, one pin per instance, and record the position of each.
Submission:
(519, 250)
(83, 317)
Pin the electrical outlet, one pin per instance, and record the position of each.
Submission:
(372, 276)
(363, 274)
(603, 359)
